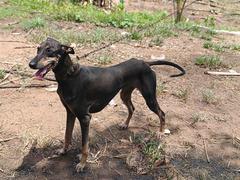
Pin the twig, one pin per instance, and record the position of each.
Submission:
(98, 134)
(13, 23)
(4, 78)
(237, 33)
(206, 152)
(109, 129)
(1, 170)
(222, 73)
(202, 10)
(26, 74)
(13, 41)
(24, 47)
(97, 156)
(28, 86)
(8, 139)
(116, 171)
(237, 140)
(120, 156)
(9, 81)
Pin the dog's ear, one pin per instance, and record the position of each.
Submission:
(67, 49)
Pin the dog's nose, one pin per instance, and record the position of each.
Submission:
(33, 65)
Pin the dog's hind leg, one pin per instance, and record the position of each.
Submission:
(148, 90)
(126, 98)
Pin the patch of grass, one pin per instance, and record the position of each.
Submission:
(98, 35)
(213, 46)
(136, 36)
(210, 21)
(104, 59)
(156, 41)
(151, 147)
(157, 33)
(235, 47)
(198, 117)
(65, 10)
(33, 23)
(2, 74)
(212, 62)
(164, 29)
(195, 30)
(208, 96)
(10, 11)
(182, 94)
(220, 47)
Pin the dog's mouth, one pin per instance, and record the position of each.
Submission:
(43, 71)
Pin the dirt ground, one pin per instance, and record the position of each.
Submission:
(32, 120)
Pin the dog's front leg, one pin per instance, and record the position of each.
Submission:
(68, 132)
(84, 122)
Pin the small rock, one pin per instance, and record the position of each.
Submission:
(52, 88)
(124, 141)
(112, 103)
(124, 33)
(166, 131)
(161, 57)
(113, 46)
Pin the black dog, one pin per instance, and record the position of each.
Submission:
(84, 90)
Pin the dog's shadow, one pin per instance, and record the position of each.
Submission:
(42, 163)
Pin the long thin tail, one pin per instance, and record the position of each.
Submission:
(168, 63)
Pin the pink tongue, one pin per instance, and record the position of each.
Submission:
(40, 73)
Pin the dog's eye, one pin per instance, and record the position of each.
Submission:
(48, 50)
(38, 49)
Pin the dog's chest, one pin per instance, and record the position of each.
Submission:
(67, 95)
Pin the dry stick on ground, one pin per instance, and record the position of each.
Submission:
(8, 139)
(28, 86)
(4, 78)
(9, 41)
(236, 33)
(24, 47)
(109, 129)
(9, 81)
(205, 150)
(222, 73)
(25, 74)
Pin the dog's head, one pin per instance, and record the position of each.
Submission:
(49, 54)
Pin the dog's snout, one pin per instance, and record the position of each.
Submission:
(33, 65)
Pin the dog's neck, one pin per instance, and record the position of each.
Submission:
(65, 68)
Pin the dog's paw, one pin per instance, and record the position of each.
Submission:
(80, 166)
(123, 126)
(60, 152)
